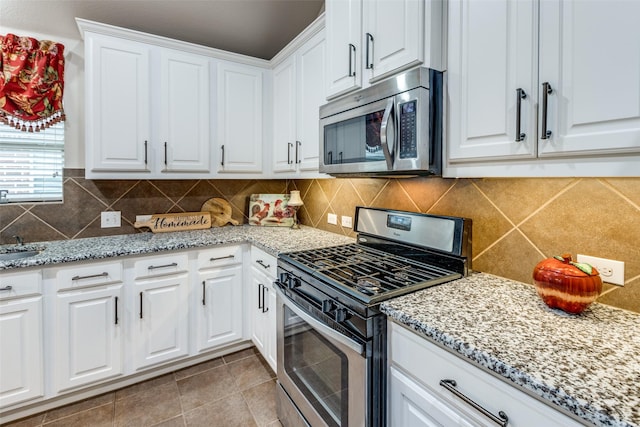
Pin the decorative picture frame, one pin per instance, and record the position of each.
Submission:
(270, 210)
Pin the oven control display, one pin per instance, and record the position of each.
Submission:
(399, 222)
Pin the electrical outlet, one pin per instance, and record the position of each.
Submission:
(332, 219)
(347, 221)
(110, 219)
(611, 271)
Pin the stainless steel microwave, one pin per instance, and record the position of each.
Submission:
(392, 128)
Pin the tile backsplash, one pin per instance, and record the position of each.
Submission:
(516, 222)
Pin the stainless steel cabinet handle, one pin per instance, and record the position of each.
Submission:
(502, 419)
(146, 157)
(264, 300)
(520, 95)
(92, 276)
(546, 90)
(165, 153)
(222, 159)
(204, 294)
(352, 53)
(221, 257)
(263, 264)
(155, 267)
(260, 295)
(369, 52)
(289, 147)
(116, 310)
(6, 288)
(298, 145)
(141, 305)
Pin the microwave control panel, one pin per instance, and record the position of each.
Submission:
(408, 141)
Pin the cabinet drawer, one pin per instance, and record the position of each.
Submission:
(162, 265)
(92, 274)
(220, 256)
(20, 284)
(429, 364)
(264, 262)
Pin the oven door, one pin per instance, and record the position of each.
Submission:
(323, 372)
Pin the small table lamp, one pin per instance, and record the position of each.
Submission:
(295, 202)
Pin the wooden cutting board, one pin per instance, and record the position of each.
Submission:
(220, 211)
(162, 223)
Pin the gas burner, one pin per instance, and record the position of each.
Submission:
(369, 285)
(324, 262)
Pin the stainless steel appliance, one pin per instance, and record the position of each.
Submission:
(331, 335)
(392, 128)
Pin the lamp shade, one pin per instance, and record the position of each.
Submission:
(294, 199)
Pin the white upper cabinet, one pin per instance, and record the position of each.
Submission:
(240, 118)
(184, 112)
(484, 84)
(298, 92)
(344, 45)
(590, 56)
(118, 127)
(556, 94)
(374, 39)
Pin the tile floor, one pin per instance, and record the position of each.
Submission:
(234, 390)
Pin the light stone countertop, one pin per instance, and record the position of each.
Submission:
(273, 240)
(586, 364)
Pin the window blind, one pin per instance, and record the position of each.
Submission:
(31, 163)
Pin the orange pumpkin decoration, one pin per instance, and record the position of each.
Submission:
(567, 285)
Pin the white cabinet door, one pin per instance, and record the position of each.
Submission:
(184, 112)
(160, 324)
(272, 345)
(311, 94)
(394, 35)
(344, 53)
(219, 308)
(240, 124)
(483, 83)
(89, 339)
(284, 117)
(259, 310)
(118, 127)
(411, 404)
(590, 55)
(21, 351)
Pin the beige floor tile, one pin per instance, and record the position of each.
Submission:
(139, 387)
(194, 370)
(83, 405)
(275, 423)
(33, 421)
(173, 422)
(102, 416)
(242, 354)
(206, 387)
(250, 371)
(262, 403)
(229, 412)
(148, 407)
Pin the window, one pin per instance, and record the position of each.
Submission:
(31, 163)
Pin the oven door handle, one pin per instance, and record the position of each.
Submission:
(321, 327)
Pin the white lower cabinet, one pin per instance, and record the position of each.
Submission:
(159, 326)
(21, 349)
(261, 304)
(218, 298)
(417, 397)
(86, 309)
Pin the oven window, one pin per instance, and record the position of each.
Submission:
(355, 140)
(318, 368)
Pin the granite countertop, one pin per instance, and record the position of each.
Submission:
(586, 364)
(272, 239)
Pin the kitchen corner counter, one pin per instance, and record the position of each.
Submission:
(587, 364)
(271, 239)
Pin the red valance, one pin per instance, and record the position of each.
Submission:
(31, 83)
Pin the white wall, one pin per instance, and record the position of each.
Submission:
(73, 99)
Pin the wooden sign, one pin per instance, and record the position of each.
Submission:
(162, 223)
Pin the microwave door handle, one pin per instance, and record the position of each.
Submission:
(384, 128)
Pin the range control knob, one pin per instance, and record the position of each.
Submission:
(293, 282)
(328, 306)
(341, 314)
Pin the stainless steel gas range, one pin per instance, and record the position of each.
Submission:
(331, 341)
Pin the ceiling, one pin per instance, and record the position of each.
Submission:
(259, 28)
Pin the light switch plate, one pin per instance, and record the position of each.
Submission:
(347, 221)
(332, 219)
(611, 271)
(110, 219)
